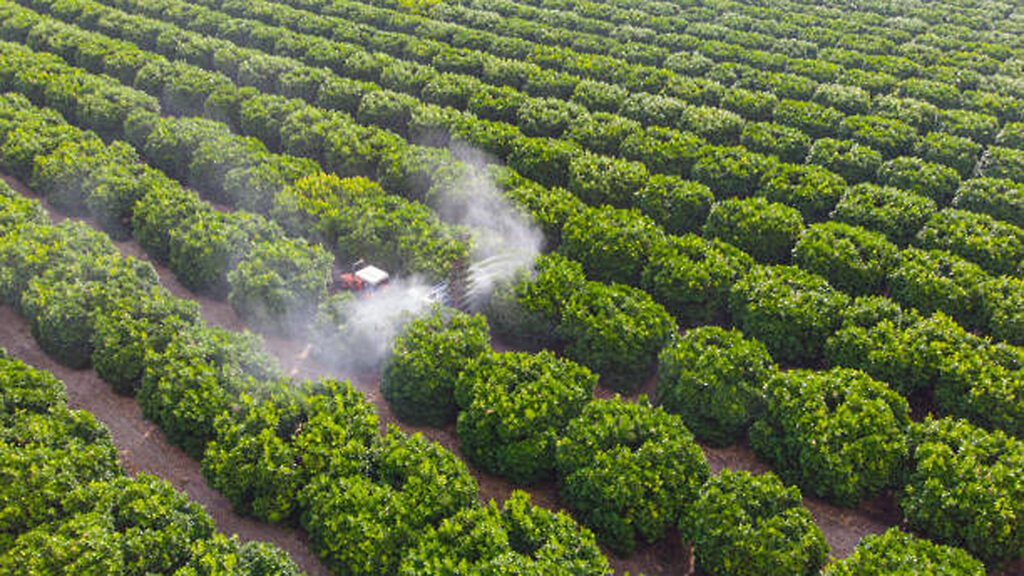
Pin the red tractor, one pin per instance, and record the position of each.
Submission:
(362, 279)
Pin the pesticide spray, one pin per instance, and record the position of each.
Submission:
(504, 239)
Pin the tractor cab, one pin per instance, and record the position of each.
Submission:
(362, 278)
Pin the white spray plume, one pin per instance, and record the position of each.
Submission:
(504, 239)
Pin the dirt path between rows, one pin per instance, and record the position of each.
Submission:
(143, 448)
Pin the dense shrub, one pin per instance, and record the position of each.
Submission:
(418, 377)
(1004, 308)
(976, 126)
(188, 385)
(889, 136)
(767, 231)
(843, 97)
(605, 180)
(742, 524)
(713, 378)
(1011, 136)
(544, 160)
(784, 142)
(527, 308)
(514, 406)
(854, 162)
(757, 106)
(932, 280)
(664, 150)
(920, 114)
(897, 214)
(731, 171)
(679, 206)
(365, 522)
(788, 309)
(616, 331)
(602, 132)
(965, 489)
(996, 246)
(960, 154)
(547, 117)
(813, 119)
(628, 471)
(692, 277)
(854, 260)
(280, 284)
(1000, 199)
(714, 124)
(521, 538)
(612, 245)
(896, 552)
(926, 179)
(812, 190)
(838, 434)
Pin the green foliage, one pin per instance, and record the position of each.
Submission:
(965, 489)
(521, 539)
(897, 214)
(628, 471)
(854, 161)
(790, 310)
(767, 231)
(747, 525)
(812, 190)
(365, 523)
(843, 97)
(813, 119)
(896, 552)
(692, 277)
(1000, 199)
(757, 106)
(418, 378)
(932, 280)
(544, 160)
(958, 153)
(784, 142)
(514, 406)
(280, 284)
(679, 206)
(838, 434)
(613, 245)
(616, 331)
(1011, 136)
(731, 171)
(605, 180)
(529, 309)
(1004, 308)
(999, 162)
(926, 179)
(996, 246)
(664, 150)
(714, 124)
(197, 377)
(713, 379)
(854, 260)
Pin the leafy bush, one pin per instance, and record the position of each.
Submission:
(194, 380)
(514, 406)
(418, 378)
(366, 522)
(812, 190)
(602, 132)
(1011, 136)
(281, 283)
(980, 128)
(692, 277)
(786, 143)
(713, 379)
(854, 162)
(628, 471)
(964, 488)
(788, 309)
(1004, 308)
(932, 280)
(854, 260)
(612, 245)
(897, 214)
(745, 525)
(896, 552)
(1000, 199)
(544, 160)
(813, 119)
(996, 246)
(616, 331)
(605, 180)
(664, 150)
(999, 162)
(522, 539)
(714, 124)
(960, 154)
(529, 309)
(767, 231)
(843, 97)
(757, 106)
(731, 171)
(926, 179)
(838, 434)
(679, 206)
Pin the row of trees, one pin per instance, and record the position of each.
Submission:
(69, 507)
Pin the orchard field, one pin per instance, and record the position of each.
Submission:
(727, 287)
